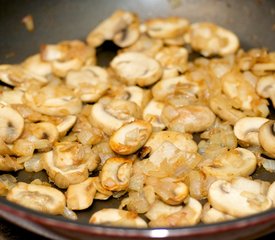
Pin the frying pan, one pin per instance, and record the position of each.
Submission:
(252, 20)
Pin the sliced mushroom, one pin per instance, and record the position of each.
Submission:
(138, 95)
(130, 137)
(90, 83)
(8, 163)
(110, 117)
(145, 44)
(11, 123)
(170, 27)
(37, 66)
(169, 86)
(172, 59)
(220, 105)
(101, 192)
(210, 39)
(68, 163)
(117, 217)
(66, 124)
(247, 129)
(266, 87)
(271, 193)
(7, 182)
(170, 190)
(212, 215)
(162, 215)
(80, 196)
(38, 197)
(152, 113)
(136, 68)
(68, 55)
(226, 198)
(14, 96)
(192, 118)
(54, 100)
(17, 76)
(183, 141)
(122, 27)
(234, 163)
(267, 137)
(115, 174)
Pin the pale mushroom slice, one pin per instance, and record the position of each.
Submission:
(236, 202)
(169, 86)
(266, 87)
(7, 182)
(37, 66)
(221, 105)
(212, 215)
(117, 217)
(17, 76)
(68, 55)
(183, 141)
(145, 44)
(163, 215)
(271, 193)
(138, 95)
(80, 196)
(231, 164)
(115, 174)
(14, 96)
(173, 60)
(122, 27)
(11, 123)
(243, 94)
(169, 27)
(210, 39)
(112, 115)
(247, 129)
(130, 137)
(53, 100)
(190, 119)
(69, 163)
(66, 124)
(38, 197)
(152, 113)
(267, 137)
(170, 190)
(89, 83)
(135, 68)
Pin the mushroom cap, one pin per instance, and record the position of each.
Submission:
(247, 129)
(136, 68)
(231, 200)
(267, 137)
(130, 137)
(11, 123)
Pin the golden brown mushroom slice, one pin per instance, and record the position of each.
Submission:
(17, 76)
(11, 123)
(112, 115)
(266, 87)
(231, 164)
(68, 55)
(53, 100)
(80, 196)
(130, 137)
(163, 215)
(89, 83)
(134, 68)
(247, 129)
(115, 174)
(267, 137)
(38, 197)
(169, 27)
(190, 119)
(117, 217)
(122, 27)
(210, 39)
(37, 66)
(237, 201)
(7, 182)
